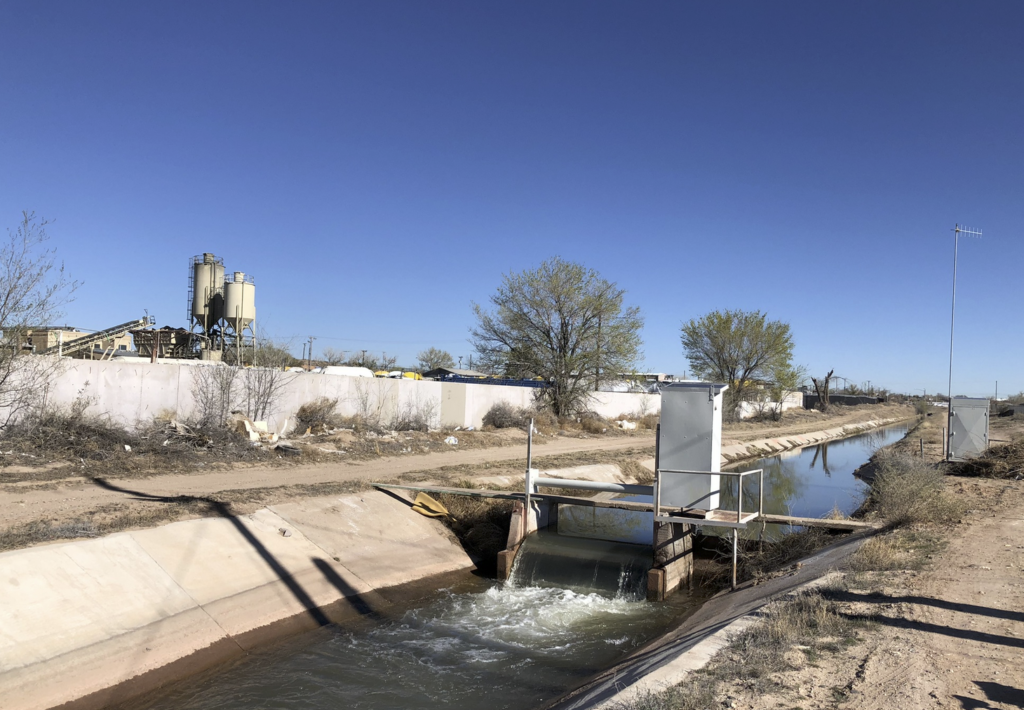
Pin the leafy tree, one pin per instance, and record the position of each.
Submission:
(562, 322)
(33, 289)
(739, 348)
(433, 358)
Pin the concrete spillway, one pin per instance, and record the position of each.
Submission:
(615, 569)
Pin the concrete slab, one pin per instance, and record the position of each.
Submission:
(58, 598)
(376, 538)
(245, 571)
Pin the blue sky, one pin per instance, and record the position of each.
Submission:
(378, 166)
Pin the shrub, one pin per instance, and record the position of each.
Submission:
(922, 407)
(908, 490)
(316, 416)
(503, 415)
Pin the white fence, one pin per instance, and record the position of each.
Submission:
(137, 392)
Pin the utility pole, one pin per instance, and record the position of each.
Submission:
(957, 231)
(309, 362)
(460, 362)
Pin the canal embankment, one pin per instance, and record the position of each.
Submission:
(91, 623)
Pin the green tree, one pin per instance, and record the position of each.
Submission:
(433, 358)
(562, 322)
(739, 348)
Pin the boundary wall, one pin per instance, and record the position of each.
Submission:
(136, 392)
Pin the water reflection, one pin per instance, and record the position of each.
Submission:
(813, 481)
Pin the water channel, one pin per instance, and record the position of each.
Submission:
(489, 646)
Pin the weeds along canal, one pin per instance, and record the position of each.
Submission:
(574, 607)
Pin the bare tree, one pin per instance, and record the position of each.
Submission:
(33, 289)
(821, 387)
(214, 394)
(333, 357)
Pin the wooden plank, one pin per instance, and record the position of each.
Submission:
(835, 524)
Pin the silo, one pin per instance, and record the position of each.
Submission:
(207, 290)
(239, 302)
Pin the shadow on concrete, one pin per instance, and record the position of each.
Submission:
(223, 510)
(994, 692)
(358, 602)
(929, 601)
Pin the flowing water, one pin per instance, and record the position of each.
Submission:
(573, 608)
(483, 645)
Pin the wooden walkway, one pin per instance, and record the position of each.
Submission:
(696, 517)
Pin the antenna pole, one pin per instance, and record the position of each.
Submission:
(957, 229)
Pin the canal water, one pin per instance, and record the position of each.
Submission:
(480, 645)
(573, 609)
(813, 481)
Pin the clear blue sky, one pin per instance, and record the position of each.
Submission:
(379, 165)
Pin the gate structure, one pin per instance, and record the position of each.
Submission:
(968, 427)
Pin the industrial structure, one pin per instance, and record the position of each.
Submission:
(221, 309)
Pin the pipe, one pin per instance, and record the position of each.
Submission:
(594, 486)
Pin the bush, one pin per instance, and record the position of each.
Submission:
(907, 490)
(593, 424)
(505, 416)
(317, 416)
(922, 407)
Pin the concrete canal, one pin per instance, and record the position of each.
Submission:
(573, 608)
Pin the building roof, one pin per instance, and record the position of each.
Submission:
(451, 371)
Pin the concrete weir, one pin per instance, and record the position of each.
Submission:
(93, 623)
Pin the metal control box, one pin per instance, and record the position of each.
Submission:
(690, 439)
(968, 427)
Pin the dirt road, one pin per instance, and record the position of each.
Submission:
(80, 503)
(73, 496)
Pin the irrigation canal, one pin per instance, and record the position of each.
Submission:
(572, 609)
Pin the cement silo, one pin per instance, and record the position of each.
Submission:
(206, 298)
(240, 312)
(239, 302)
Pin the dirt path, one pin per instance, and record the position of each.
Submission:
(78, 505)
(71, 496)
(953, 636)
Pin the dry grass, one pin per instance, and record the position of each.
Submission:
(809, 622)
(898, 550)
(908, 490)
(316, 417)
(480, 524)
(1005, 461)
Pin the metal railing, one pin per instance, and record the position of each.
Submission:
(740, 521)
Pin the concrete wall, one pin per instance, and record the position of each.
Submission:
(104, 619)
(131, 392)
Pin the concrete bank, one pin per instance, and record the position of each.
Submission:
(734, 451)
(96, 622)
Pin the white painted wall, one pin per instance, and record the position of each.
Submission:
(131, 392)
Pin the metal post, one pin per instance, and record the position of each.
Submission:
(944, 442)
(952, 318)
(739, 499)
(922, 448)
(735, 554)
(529, 482)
